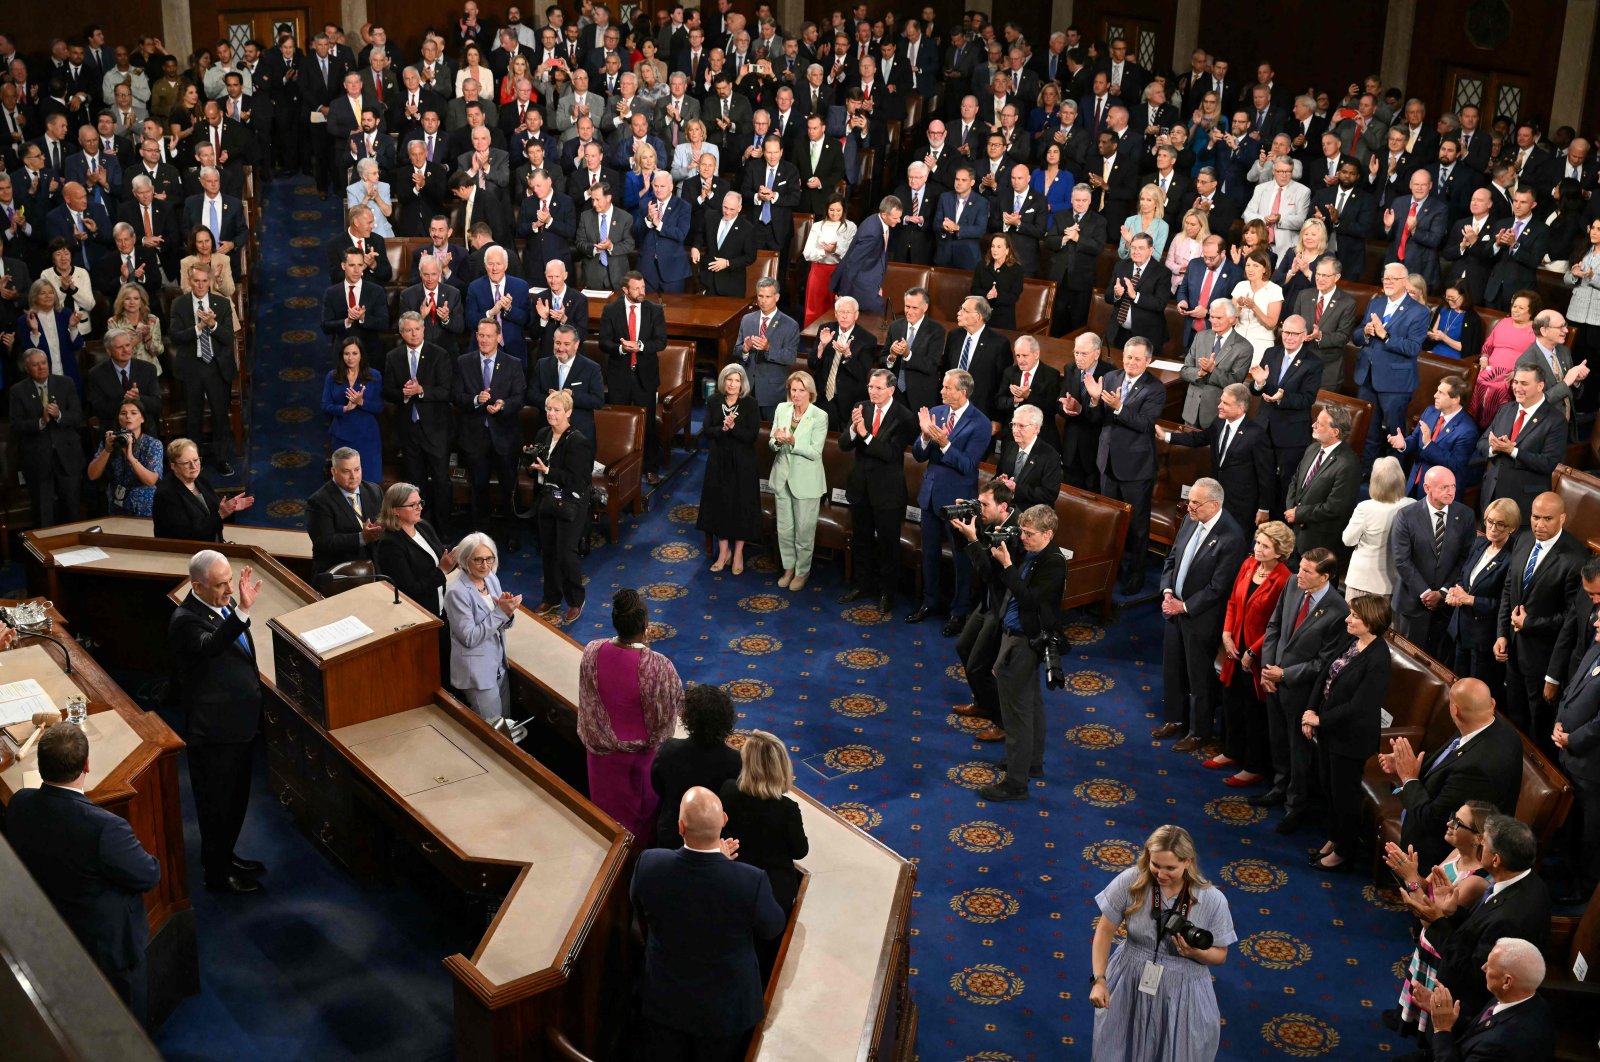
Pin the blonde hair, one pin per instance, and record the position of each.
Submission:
(1279, 535)
(765, 771)
(1388, 482)
(1173, 839)
(1203, 220)
(393, 498)
(1312, 225)
(1506, 511)
(562, 398)
(805, 381)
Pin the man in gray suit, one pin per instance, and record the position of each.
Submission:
(578, 102)
(491, 166)
(1363, 136)
(1302, 637)
(605, 240)
(1218, 356)
(768, 341)
(1551, 356)
(1322, 494)
(1428, 543)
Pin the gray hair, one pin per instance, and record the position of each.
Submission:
(744, 378)
(469, 545)
(201, 563)
(840, 302)
(210, 171)
(1213, 489)
(1031, 416)
(138, 184)
(1239, 393)
(765, 283)
(1226, 305)
(120, 227)
(1142, 343)
(738, 200)
(1026, 342)
(495, 251)
(366, 166)
(981, 307)
(962, 379)
(345, 453)
(1388, 480)
(117, 335)
(411, 316)
(1522, 960)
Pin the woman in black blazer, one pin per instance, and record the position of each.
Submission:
(998, 279)
(701, 759)
(1342, 720)
(1475, 597)
(561, 460)
(185, 506)
(765, 822)
(413, 557)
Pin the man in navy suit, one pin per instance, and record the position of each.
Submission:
(1126, 403)
(1196, 581)
(1287, 381)
(959, 222)
(1523, 444)
(558, 304)
(952, 440)
(1533, 608)
(84, 225)
(356, 307)
(704, 914)
(1516, 1022)
(502, 298)
(1416, 225)
(662, 220)
(1520, 242)
(1428, 542)
(88, 861)
(768, 342)
(1351, 214)
(1211, 274)
(566, 368)
(490, 388)
(1444, 436)
(1390, 339)
(860, 271)
(1575, 734)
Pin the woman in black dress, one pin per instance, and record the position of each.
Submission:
(998, 279)
(185, 505)
(703, 758)
(766, 823)
(561, 460)
(730, 498)
(413, 557)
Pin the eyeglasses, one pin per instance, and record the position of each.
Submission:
(489, 559)
(411, 505)
(1458, 824)
(1501, 524)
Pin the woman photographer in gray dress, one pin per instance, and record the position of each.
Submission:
(1153, 996)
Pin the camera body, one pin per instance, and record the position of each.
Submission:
(121, 440)
(1009, 535)
(970, 509)
(537, 452)
(1174, 924)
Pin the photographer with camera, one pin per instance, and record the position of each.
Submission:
(1153, 998)
(135, 461)
(983, 522)
(1030, 574)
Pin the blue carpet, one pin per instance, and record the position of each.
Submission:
(329, 968)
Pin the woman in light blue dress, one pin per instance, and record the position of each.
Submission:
(1179, 1021)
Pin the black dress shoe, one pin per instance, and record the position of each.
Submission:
(1291, 823)
(1316, 863)
(852, 594)
(249, 866)
(1270, 799)
(1000, 792)
(953, 625)
(1035, 772)
(918, 614)
(886, 605)
(233, 883)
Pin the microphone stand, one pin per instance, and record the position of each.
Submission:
(362, 580)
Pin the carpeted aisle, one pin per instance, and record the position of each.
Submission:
(324, 967)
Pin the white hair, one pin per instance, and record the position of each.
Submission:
(469, 545)
(201, 564)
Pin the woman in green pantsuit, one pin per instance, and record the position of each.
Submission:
(799, 432)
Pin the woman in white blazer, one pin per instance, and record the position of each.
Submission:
(1371, 568)
(478, 612)
(799, 432)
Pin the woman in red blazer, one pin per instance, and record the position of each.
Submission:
(1255, 594)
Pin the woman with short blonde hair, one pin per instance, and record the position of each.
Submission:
(1371, 568)
(766, 823)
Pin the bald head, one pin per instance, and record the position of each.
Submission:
(701, 818)
(1471, 703)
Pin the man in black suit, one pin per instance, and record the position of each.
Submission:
(342, 514)
(724, 248)
(1287, 381)
(418, 376)
(1322, 494)
(1029, 465)
(1574, 735)
(48, 419)
(1022, 215)
(202, 335)
(771, 190)
(1113, 180)
(128, 263)
(557, 304)
(1516, 905)
(912, 240)
(1516, 1022)
(568, 369)
(1351, 214)
(88, 861)
(548, 222)
(705, 914)
(977, 349)
(358, 235)
(489, 390)
(1520, 242)
(914, 351)
(1428, 543)
(219, 689)
(1523, 444)
(879, 431)
(1075, 240)
(1482, 761)
(1080, 438)
(441, 305)
(420, 191)
(1028, 381)
(122, 377)
(1241, 459)
(1196, 580)
(1220, 208)
(1125, 405)
(356, 308)
(223, 214)
(845, 357)
(632, 335)
(1532, 608)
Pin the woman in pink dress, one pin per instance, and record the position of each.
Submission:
(629, 699)
(1505, 344)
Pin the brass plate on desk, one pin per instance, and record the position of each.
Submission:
(414, 761)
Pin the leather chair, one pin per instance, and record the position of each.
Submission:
(1360, 415)
(619, 446)
(1035, 305)
(1176, 468)
(900, 277)
(1096, 530)
(1580, 492)
(947, 288)
(1576, 1003)
(675, 400)
(1430, 370)
(346, 576)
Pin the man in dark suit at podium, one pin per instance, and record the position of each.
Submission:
(87, 860)
(878, 432)
(342, 514)
(704, 915)
(219, 690)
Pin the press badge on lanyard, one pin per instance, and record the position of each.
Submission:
(1150, 979)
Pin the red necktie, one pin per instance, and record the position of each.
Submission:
(352, 291)
(877, 419)
(1299, 617)
(1277, 206)
(1205, 289)
(1026, 376)
(1400, 252)
(1516, 428)
(1322, 300)
(633, 335)
(433, 307)
(763, 327)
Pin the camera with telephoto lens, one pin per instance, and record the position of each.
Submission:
(1009, 535)
(970, 509)
(1049, 646)
(1174, 924)
(121, 440)
(537, 452)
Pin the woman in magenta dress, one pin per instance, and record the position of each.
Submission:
(629, 699)
(1509, 337)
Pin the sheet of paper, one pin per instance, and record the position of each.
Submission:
(599, 469)
(31, 779)
(19, 700)
(68, 558)
(596, 293)
(1170, 366)
(335, 634)
(840, 496)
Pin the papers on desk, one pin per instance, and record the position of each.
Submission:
(335, 634)
(1170, 366)
(596, 293)
(67, 558)
(19, 700)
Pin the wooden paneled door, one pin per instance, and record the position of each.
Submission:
(236, 27)
(1140, 33)
(1491, 91)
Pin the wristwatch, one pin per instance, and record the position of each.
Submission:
(1413, 886)
(1095, 979)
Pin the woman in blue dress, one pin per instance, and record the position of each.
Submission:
(1052, 179)
(352, 397)
(1456, 330)
(130, 462)
(1179, 1020)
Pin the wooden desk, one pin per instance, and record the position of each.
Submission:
(841, 986)
(714, 318)
(134, 773)
(291, 548)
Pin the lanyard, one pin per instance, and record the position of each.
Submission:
(1181, 904)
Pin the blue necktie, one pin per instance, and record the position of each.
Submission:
(766, 206)
(1533, 560)
(1449, 750)
(488, 372)
(605, 227)
(966, 353)
(244, 643)
(216, 222)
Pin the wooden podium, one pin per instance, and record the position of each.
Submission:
(392, 669)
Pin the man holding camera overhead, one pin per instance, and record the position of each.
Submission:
(1027, 575)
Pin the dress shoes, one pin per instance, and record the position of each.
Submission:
(1341, 867)
(797, 584)
(571, 615)
(918, 614)
(1270, 799)
(234, 883)
(968, 711)
(1000, 792)
(653, 478)
(1211, 748)
(953, 625)
(1188, 744)
(1167, 730)
(994, 733)
(248, 866)
(852, 594)
(1291, 823)
(1216, 764)
(1235, 782)
(548, 610)
(885, 605)
(784, 580)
